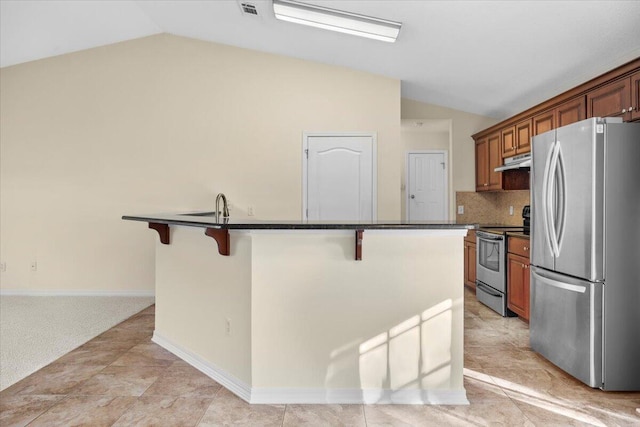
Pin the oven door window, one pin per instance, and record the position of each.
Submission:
(489, 254)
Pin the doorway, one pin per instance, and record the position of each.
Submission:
(339, 177)
(427, 187)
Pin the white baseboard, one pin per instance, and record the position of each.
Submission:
(76, 293)
(358, 396)
(312, 395)
(227, 380)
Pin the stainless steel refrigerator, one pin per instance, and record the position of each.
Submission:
(585, 265)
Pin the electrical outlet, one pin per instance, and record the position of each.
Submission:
(250, 211)
(3, 266)
(34, 266)
(227, 326)
(460, 209)
(511, 210)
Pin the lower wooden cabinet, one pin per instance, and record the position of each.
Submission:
(518, 276)
(518, 285)
(470, 265)
(470, 260)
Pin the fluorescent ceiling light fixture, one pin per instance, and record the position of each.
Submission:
(336, 20)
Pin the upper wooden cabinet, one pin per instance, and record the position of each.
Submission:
(544, 122)
(635, 96)
(516, 139)
(509, 141)
(614, 94)
(571, 111)
(482, 164)
(489, 157)
(523, 136)
(495, 160)
(612, 100)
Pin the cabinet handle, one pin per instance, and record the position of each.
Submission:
(630, 109)
(486, 185)
(526, 248)
(624, 110)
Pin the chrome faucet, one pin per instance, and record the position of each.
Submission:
(225, 208)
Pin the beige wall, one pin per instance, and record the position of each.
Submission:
(391, 321)
(462, 155)
(197, 290)
(163, 124)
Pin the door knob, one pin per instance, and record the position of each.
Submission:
(413, 196)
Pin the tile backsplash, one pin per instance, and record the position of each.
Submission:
(491, 207)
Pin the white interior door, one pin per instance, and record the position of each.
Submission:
(427, 186)
(339, 177)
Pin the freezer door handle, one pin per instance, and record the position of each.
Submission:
(549, 279)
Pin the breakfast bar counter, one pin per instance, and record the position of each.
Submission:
(314, 312)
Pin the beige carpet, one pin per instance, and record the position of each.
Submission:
(35, 330)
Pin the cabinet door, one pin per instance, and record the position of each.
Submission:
(611, 100)
(518, 285)
(527, 292)
(523, 137)
(635, 96)
(495, 160)
(509, 141)
(470, 265)
(544, 122)
(482, 164)
(571, 111)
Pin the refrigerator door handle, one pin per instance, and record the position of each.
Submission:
(560, 188)
(554, 198)
(547, 196)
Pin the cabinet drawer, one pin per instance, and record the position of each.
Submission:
(519, 246)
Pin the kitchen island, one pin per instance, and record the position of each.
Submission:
(314, 312)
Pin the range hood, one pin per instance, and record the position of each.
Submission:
(515, 162)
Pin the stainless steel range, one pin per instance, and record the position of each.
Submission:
(491, 264)
(491, 270)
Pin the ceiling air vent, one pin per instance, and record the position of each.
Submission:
(248, 8)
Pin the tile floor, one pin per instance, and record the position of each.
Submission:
(121, 378)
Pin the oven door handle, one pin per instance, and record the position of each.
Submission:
(487, 289)
(489, 238)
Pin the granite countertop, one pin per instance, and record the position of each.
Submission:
(208, 220)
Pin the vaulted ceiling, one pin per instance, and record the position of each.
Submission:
(494, 58)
